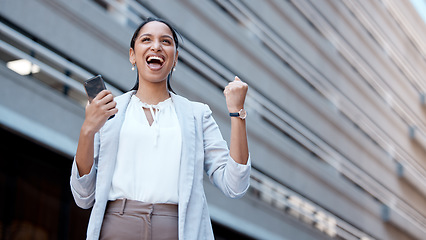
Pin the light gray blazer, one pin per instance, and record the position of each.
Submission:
(203, 147)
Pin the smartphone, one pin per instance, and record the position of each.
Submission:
(93, 87)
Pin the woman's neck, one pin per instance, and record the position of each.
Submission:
(152, 93)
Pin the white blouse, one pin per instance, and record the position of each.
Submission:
(148, 158)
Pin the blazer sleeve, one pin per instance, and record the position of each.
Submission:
(232, 178)
(83, 187)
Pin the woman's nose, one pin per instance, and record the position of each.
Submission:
(155, 46)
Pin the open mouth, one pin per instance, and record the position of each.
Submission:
(155, 62)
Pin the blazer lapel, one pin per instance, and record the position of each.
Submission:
(185, 115)
(109, 137)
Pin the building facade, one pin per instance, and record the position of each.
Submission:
(336, 109)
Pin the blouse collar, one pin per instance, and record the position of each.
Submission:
(161, 105)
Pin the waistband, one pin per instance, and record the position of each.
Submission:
(126, 206)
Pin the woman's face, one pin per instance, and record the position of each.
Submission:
(154, 52)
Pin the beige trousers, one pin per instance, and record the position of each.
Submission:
(127, 219)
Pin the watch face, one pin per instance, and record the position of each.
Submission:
(243, 114)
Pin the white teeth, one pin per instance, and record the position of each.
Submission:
(155, 58)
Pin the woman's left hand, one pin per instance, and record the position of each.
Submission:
(235, 94)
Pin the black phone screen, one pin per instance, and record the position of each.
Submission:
(94, 86)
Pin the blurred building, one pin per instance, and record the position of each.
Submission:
(337, 116)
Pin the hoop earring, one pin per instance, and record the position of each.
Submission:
(133, 66)
(174, 69)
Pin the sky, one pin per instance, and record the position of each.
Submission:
(420, 5)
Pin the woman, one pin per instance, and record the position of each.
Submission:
(142, 171)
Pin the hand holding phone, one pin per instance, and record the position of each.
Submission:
(93, 87)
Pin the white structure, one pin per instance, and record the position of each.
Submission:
(337, 118)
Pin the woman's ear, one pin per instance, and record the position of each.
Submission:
(132, 58)
(176, 58)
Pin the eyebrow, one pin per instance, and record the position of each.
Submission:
(149, 34)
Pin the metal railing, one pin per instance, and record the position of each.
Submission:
(286, 200)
